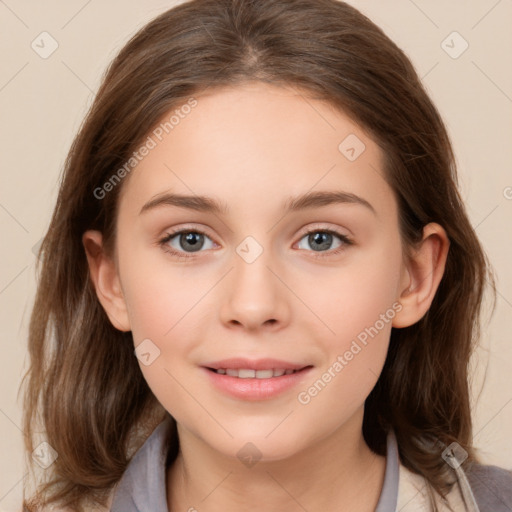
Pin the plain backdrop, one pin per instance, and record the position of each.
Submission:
(43, 101)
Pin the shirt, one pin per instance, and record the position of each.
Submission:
(142, 487)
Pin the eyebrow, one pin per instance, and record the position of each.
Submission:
(211, 205)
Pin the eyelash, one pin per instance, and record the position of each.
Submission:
(319, 254)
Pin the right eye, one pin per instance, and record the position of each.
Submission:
(184, 242)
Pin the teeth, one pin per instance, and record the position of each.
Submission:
(263, 374)
(245, 373)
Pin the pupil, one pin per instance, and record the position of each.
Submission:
(323, 239)
(192, 241)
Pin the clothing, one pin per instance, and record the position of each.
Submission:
(485, 489)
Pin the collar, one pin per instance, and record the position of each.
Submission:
(143, 485)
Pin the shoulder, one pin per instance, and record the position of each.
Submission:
(414, 495)
(143, 484)
(491, 486)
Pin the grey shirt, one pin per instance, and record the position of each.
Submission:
(143, 485)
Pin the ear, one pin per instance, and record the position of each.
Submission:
(421, 276)
(104, 276)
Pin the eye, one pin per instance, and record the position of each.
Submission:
(184, 241)
(320, 240)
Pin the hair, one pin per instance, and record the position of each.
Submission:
(84, 381)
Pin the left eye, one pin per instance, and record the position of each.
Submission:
(321, 240)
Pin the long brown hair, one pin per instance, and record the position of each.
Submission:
(84, 384)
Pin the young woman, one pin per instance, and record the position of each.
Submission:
(260, 289)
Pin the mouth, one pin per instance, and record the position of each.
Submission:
(244, 368)
(248, 373)
(255, 380)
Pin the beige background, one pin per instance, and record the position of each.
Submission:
(42, 103)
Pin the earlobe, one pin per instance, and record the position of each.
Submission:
(422, 275)
(105, 278)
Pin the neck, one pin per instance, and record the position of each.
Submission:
(338, 472)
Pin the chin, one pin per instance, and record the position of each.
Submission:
(257, 446)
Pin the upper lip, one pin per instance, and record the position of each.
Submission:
(254, 364)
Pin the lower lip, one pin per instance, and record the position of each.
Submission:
(256, 389)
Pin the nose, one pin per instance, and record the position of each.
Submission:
(254, 296)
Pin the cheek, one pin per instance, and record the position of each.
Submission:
(160, 296)
(357, 296)
(354, 356)
(164, 304)
(162, 307)
(358, 304)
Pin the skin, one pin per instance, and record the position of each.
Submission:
(252, 147)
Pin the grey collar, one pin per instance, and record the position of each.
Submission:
(143, 485)
(389, 494)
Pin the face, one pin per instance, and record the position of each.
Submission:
(310, 282)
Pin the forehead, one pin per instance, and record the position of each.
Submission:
(254, 145)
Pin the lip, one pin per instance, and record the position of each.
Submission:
(255, 389)
(254, 364)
